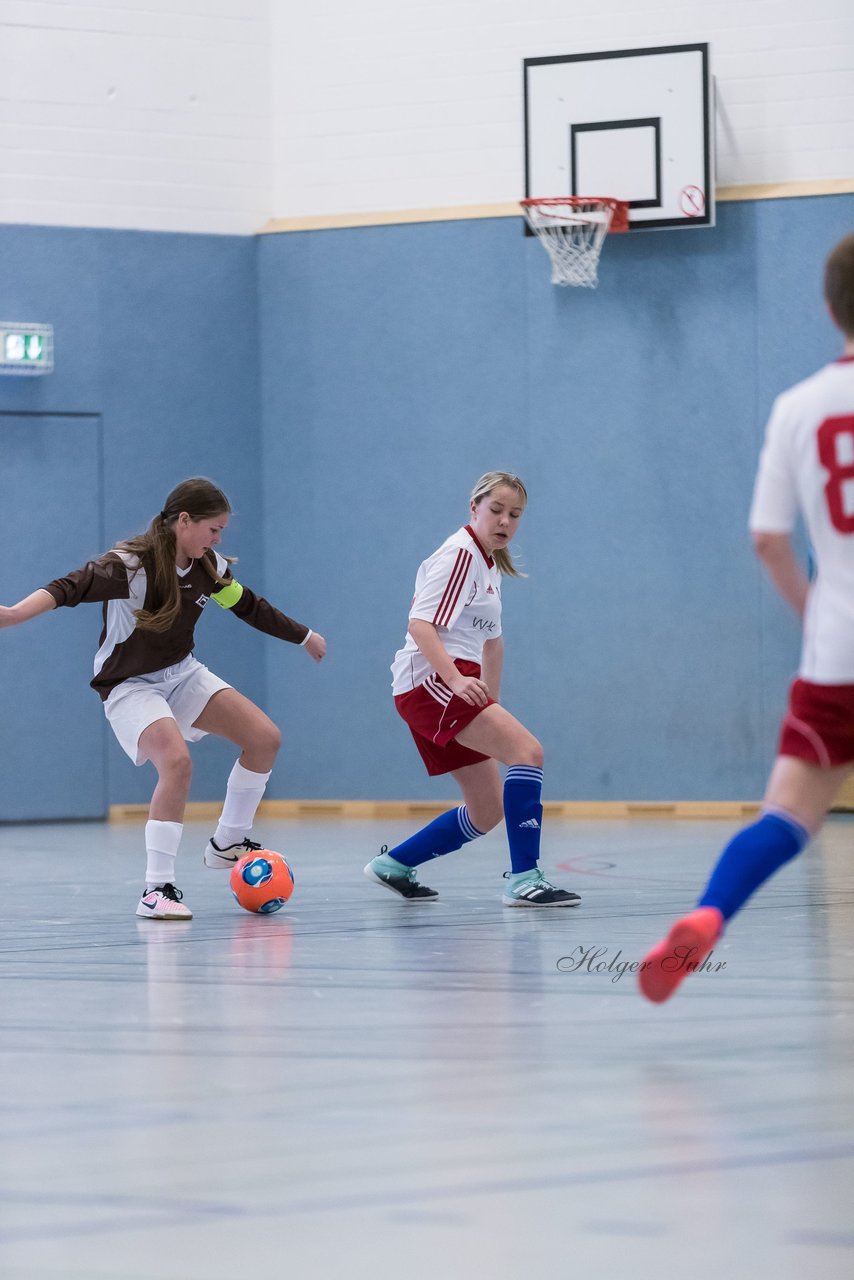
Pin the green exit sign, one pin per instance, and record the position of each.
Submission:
(25, 348)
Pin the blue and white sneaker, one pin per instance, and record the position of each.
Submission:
(532, 889)
(393, 875)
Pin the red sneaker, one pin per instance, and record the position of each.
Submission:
(682, 952)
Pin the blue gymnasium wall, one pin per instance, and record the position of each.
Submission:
(400, 362)
(396, 364)
(157, 335)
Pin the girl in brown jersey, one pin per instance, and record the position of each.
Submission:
(156, 695)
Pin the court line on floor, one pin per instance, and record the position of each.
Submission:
(416, 1196)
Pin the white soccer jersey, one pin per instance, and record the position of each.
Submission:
(807, 465)
(458, 589)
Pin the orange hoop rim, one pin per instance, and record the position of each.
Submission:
(619, 208)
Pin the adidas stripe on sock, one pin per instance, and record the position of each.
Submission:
(523, 815)
(450, 831)
(751, 858)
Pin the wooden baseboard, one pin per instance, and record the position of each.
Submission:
(209, 811)
(845, 799)
(198, 811)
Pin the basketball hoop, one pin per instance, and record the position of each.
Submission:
(573, 230)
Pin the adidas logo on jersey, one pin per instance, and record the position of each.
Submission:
(532, 822)
(490, 590)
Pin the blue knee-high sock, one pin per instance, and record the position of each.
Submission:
(450, 831)
(750, 858)
(523, 815)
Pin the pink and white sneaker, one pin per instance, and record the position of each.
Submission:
(163, 903)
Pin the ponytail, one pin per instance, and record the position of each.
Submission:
(201, 500)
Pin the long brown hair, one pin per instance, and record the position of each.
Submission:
(483, 488)
(201, 499)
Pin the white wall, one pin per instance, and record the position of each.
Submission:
(215, 115)
(152, 114)
(395, 104)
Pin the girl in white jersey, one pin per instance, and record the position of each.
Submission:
(446, 682)
(156, 695)
(806, 468)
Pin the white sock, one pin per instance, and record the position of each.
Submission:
(161, 850)
(242, 798)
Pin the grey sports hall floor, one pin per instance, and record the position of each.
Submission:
(356, 1088)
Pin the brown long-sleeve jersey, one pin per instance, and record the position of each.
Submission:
(123, 584)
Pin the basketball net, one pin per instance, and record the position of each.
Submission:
(573, 230)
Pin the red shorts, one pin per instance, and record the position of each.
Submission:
(819, 725)
(435, 716)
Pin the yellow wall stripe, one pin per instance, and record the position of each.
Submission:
(510, 208)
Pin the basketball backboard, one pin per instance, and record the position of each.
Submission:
(635, 124)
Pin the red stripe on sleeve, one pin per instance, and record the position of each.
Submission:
(445, 611)
(449, 587)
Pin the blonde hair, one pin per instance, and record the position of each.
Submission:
(482, 489)
(202, 500)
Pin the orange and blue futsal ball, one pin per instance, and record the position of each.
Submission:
(262, 881)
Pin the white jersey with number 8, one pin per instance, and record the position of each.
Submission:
(807, 466)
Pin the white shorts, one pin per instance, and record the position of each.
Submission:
(178, 693)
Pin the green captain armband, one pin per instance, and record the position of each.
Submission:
(228, 597)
